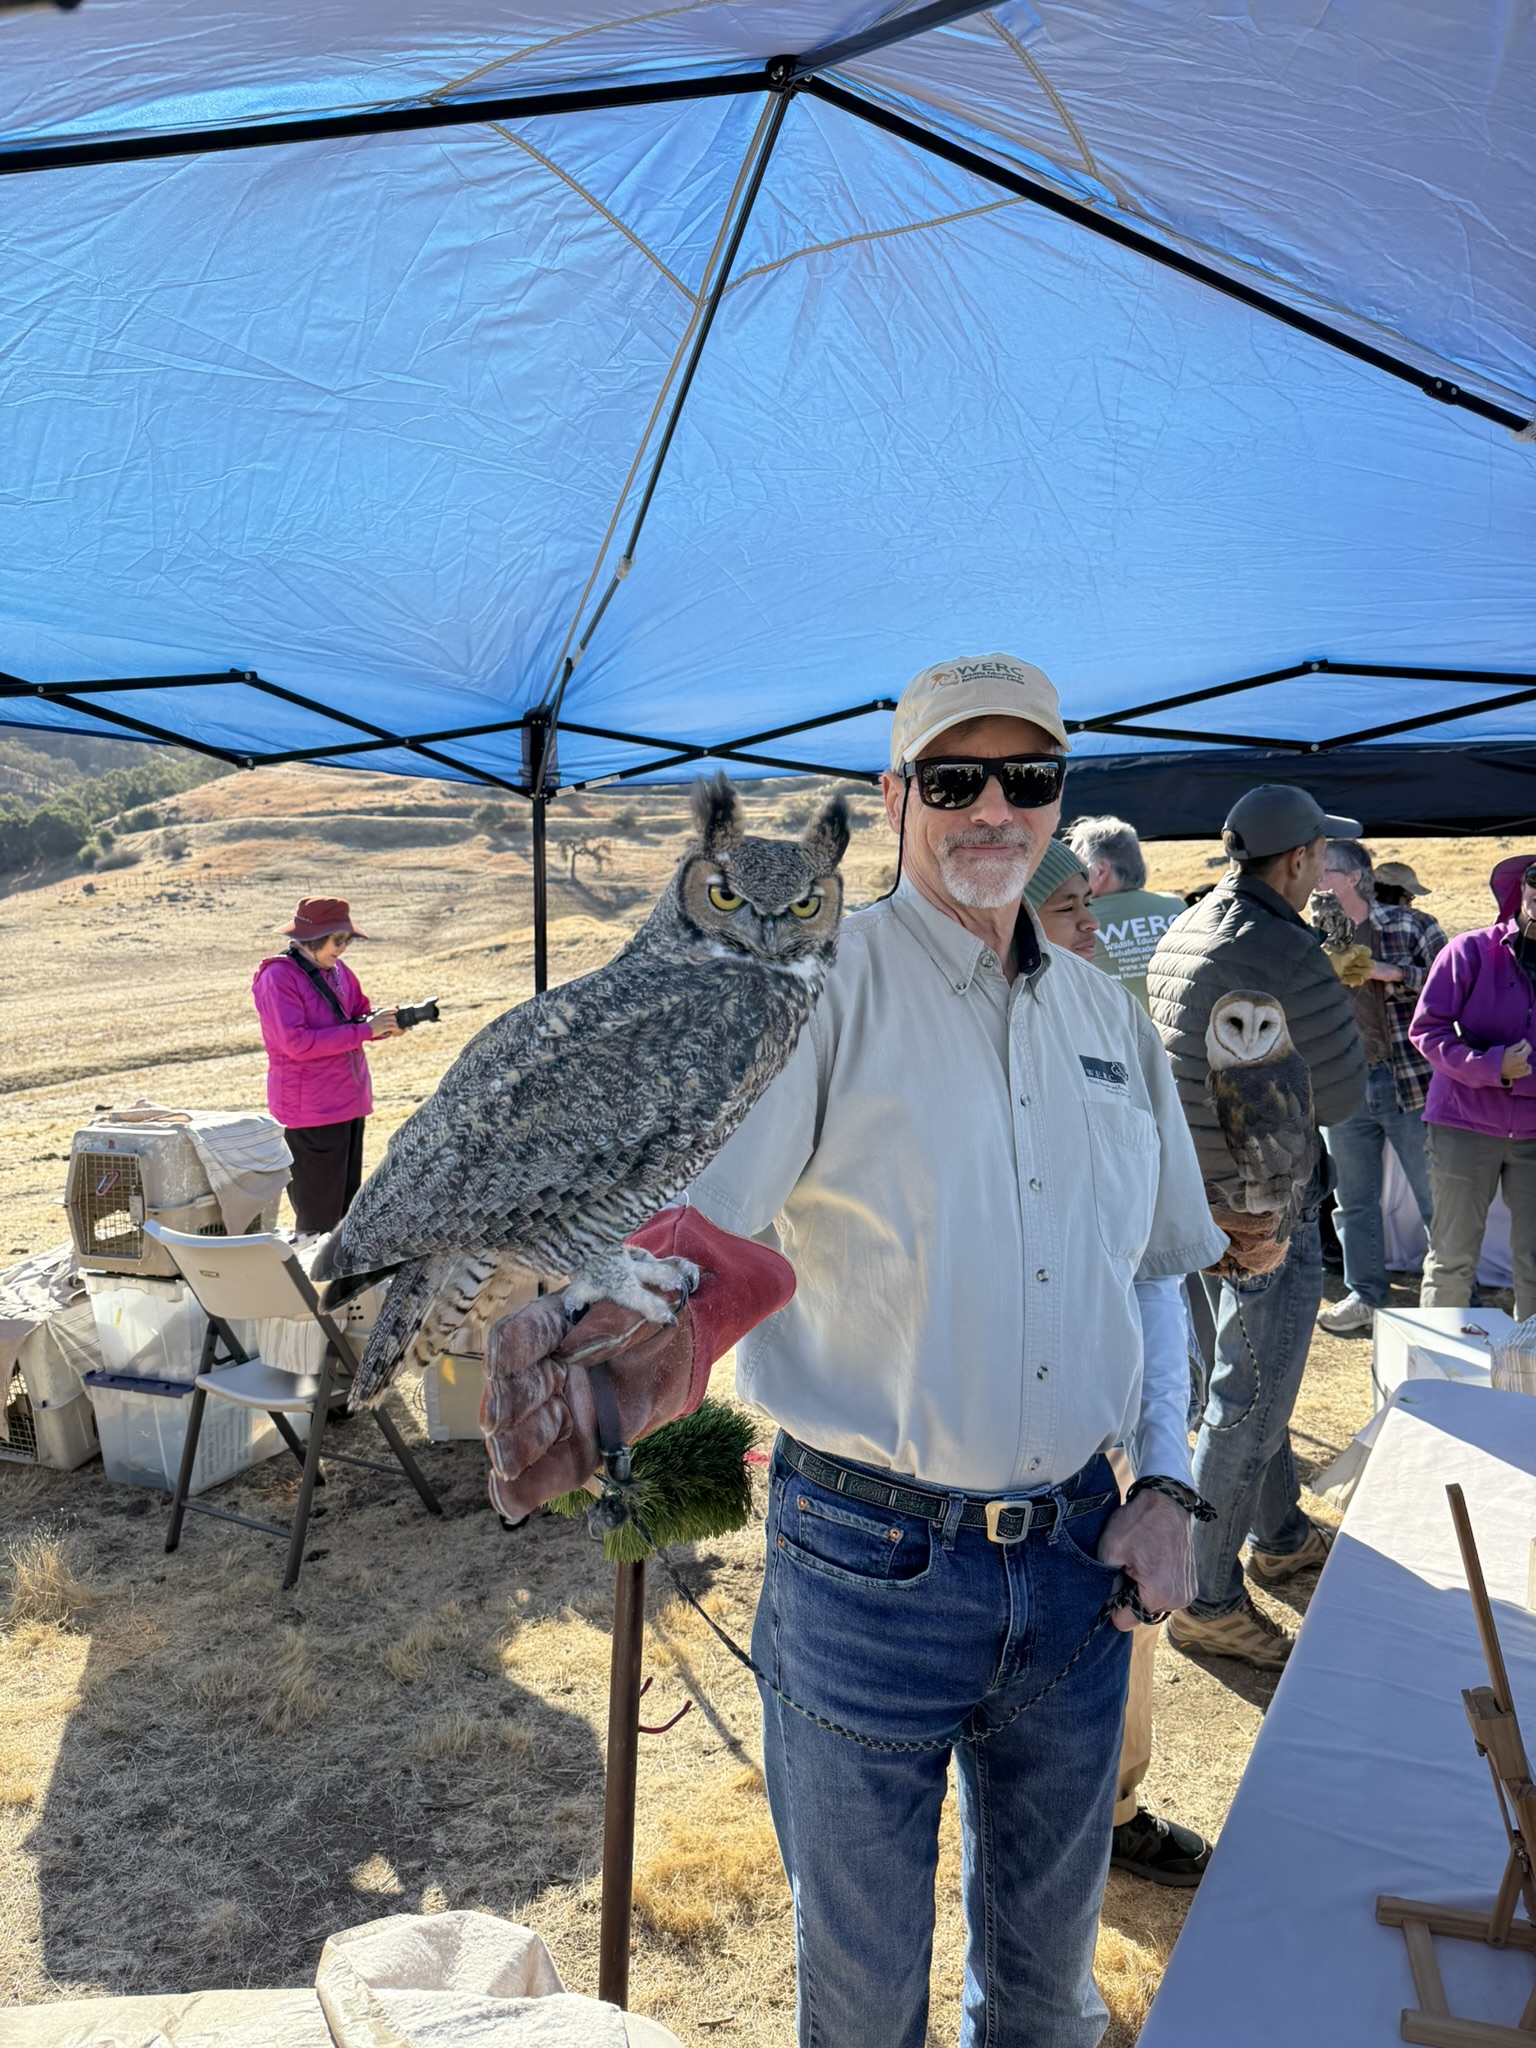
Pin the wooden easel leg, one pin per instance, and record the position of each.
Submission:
(1425, 1967)
(1502, 1916)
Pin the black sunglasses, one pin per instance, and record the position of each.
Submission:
(953, 783)
(1529, 877)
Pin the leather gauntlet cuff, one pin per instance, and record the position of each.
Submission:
(741, 1284)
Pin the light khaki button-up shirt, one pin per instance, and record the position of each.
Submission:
(968, 1178)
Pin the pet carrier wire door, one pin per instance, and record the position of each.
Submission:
(125, 1170)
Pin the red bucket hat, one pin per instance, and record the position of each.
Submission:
(318, 916)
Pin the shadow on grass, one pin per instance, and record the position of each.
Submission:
(415, 1727)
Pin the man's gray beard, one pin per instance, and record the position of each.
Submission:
(986, 889)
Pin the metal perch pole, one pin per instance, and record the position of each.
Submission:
(619, 1786)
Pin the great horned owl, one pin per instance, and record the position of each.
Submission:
(1329, 917)
(566, 1123)
(1351, 962)
(1261, 1090)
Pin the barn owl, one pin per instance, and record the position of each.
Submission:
(1261, 1090)
(571, 1120)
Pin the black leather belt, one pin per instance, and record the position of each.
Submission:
(1005, 1521)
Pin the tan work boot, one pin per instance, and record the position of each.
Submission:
(1271, 1567)
(1245, 1633)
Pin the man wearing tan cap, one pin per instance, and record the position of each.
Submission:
(976, 1166)
(1396, 883)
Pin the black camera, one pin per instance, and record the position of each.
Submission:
(409, 1015)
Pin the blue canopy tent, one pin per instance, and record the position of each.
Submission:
(549, 394)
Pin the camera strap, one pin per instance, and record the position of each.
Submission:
(307, 966)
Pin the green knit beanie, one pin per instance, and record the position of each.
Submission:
(1058, 864)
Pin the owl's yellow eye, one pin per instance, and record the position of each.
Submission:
(806, 907)
(722, 898)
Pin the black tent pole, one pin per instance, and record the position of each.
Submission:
(540, 894)
(540, 776)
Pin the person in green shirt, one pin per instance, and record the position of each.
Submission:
(1132, 917)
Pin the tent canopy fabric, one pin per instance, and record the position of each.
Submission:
(337, 438)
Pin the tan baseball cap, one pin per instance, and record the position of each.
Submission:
(1398, 875)
(972, 686)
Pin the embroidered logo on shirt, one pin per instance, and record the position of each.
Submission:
(1108, 1073)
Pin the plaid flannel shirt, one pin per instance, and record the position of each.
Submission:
(1410, 939)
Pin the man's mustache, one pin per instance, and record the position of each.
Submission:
(990, 835)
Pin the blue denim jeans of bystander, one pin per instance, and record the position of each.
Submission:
(929, 1635)
(1243, 1461)
(1356, 1149)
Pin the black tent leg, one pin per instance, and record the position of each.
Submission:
(540, 894)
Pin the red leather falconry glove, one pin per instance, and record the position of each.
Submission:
(537, 1414)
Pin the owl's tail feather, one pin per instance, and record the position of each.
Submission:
(406, 1307)
(428, 1300)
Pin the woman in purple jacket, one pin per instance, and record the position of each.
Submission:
(315, 1022)
(1474, 1024)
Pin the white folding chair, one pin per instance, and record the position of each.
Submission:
(245, 1278)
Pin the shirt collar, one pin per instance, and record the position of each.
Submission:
(957, 954)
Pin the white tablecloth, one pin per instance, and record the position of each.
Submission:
(1364, 1779)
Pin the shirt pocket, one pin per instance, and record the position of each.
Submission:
(1123, 1146)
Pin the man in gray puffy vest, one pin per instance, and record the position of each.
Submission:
(1249, 934)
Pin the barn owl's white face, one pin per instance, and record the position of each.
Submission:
(1244, 1029)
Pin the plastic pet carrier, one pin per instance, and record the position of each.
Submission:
(124, 1169)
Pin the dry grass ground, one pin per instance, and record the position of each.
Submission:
(201, 1776)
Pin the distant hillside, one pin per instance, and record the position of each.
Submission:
(36, 765)
(61, 796)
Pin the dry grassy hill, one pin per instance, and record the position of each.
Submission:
(199, 1776)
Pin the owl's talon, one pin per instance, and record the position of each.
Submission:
(634, 1279)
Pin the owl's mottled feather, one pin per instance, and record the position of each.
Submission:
(1328, 916)
(566, 1123)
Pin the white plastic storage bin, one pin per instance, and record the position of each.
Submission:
(143, 1428)
(450, 1391)
(151, 1329)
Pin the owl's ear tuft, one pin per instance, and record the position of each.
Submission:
(826, 838)
(717, 813)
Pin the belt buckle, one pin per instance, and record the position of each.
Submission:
(994, 1510)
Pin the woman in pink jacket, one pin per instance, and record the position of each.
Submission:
(1475, 1023)
(315, 1022)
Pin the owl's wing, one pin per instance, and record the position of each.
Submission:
(593, 1097)
(1265, 1112)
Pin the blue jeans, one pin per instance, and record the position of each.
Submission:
(913, 1632)
(1355, 1146)
(1243, 1461)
